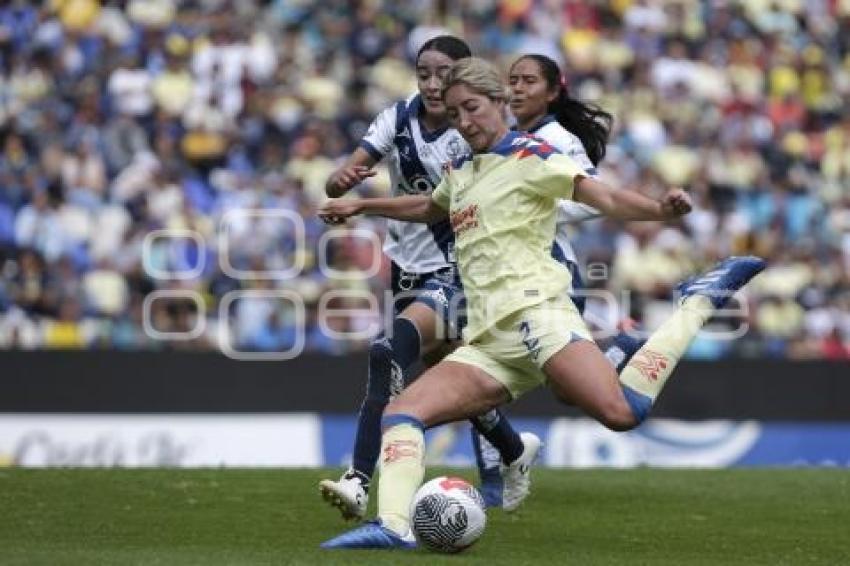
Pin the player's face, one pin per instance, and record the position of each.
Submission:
(478, 118)
(431, 69)
(531, 94)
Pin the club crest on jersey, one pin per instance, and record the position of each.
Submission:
(454, 149)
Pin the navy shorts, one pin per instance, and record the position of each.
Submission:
(441, 291)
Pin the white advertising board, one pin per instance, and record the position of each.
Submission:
(106, 440)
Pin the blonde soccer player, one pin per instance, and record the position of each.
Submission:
(522, 329)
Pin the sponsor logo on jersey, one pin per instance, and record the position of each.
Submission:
(465, 219)
(417, 185)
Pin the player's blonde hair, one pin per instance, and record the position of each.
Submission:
(481, 76)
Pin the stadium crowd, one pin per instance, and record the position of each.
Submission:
(219, 121)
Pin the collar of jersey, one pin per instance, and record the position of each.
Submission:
(506, 146)
(427, 135)
(547, 119)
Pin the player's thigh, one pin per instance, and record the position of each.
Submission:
(449, 391)
(440, 350)
(581, 375)
(428, 322)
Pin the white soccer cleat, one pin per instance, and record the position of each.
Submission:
(349, 495)
(517, 476)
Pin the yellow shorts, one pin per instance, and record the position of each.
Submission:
(514, 350)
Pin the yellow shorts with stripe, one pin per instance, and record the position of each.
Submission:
(514, 350)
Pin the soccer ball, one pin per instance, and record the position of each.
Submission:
(447, 514)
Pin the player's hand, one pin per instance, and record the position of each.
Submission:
(676, 203)
(335, 211)
(347, 177)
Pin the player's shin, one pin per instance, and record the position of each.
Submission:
(389, 357)
(402, 470)
(645, 375)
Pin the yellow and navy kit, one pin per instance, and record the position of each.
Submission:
(502, 205)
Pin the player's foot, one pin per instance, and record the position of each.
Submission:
(350, 494)
(372, 534)
(489, 463)
(492, 486)
(517, 475)
(723, 280)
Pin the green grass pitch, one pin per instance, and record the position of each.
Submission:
(211, 517)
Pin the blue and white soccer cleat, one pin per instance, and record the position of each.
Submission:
(489, 463)
(372, 534)
(491, 486)
(723, 280)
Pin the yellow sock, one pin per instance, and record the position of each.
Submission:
(402, 470)
(647, 372)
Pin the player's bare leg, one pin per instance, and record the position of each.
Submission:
(448, 392)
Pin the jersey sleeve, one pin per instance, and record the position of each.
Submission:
(572, 212)
(378, 141)
(442, 195)
(555, 177)
(570, 145)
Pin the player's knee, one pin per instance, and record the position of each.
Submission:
(616, 415)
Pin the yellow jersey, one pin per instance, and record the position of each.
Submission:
(502, 205)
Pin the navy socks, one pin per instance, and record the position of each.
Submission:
(388, 358)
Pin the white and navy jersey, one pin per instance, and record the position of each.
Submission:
(415, 158)
(569, 211)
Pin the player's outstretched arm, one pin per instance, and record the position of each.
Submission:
(631, 205)
(355, 169)
(410, 208)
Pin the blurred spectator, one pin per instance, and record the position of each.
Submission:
(225, 118)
